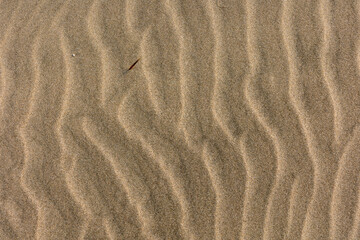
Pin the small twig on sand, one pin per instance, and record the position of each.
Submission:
(133, 64)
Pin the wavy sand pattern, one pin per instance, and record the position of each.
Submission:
(240, 121)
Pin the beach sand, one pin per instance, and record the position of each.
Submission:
(240, 119)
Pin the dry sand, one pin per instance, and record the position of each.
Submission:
(240, 121)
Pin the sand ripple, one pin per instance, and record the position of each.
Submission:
(240, 121)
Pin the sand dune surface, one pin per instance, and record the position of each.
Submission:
(179, 119)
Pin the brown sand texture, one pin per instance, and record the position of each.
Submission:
(239, 121)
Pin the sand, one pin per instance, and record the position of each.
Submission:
(239, 121)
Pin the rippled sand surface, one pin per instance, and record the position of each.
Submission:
(239, 121)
